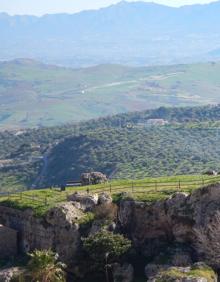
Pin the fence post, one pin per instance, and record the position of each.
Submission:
(132, 186)
(179, 185)
(88, 190)
(110, 188)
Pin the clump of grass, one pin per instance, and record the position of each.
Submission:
(195, 272)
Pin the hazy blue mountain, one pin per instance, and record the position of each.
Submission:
(132, 33)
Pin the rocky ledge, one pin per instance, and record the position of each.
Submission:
(175, 231)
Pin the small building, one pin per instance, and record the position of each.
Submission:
(157, 122)
(8, 242)
(73, 183)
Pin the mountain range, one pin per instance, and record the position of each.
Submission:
(129, 33)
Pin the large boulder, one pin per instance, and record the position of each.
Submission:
(92, 178)
(123, 273)
(86, 202)
(64, 215)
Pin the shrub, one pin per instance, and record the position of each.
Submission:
(44, 266)
(106, 211)
(103, 245)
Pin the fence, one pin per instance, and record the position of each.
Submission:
(18, 195)
(154, 186)
(113, 188)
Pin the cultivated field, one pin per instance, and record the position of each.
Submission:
(33, 94)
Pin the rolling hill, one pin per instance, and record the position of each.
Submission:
(127, 33)
(122, 146)
(33, 94)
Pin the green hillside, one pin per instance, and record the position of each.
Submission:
(122, 146)
(136, 153)
(33, 94)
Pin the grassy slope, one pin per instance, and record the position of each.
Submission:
(148, 190)
(34, 94)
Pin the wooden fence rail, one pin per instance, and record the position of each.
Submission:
(110, 187)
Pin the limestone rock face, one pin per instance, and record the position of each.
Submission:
(124, 273)
(85, 201)
(8, 242)
(174, 219)
(58, 230)
(104, 198)
(64, 215)
(151, 270)
(92, 178)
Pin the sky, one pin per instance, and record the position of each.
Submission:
(40, 7)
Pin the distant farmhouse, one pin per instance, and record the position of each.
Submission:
(157, 122)
(149, 123)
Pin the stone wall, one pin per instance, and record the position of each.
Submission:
(8, 242)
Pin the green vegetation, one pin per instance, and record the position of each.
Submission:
(104, 248)
(189, 144)
(34, 95)
(44, 266)
(135, 153)
(87, 220)
(148, 190)
(195, 272)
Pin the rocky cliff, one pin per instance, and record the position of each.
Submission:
(171, 220)
(154, 228)
(58, 230)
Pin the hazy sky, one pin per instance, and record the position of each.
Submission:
(39, 7)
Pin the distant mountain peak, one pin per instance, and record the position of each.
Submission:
(25, 61)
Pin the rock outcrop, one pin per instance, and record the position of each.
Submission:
(86, 202)
(123, 273)
(11, 274)
(166, 221)
(152, 227)
(58, 230)
(104, 198)
(92, 178)
(8, 242)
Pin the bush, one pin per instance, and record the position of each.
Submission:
(105, 245)
(44, 266)
(106, 211)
